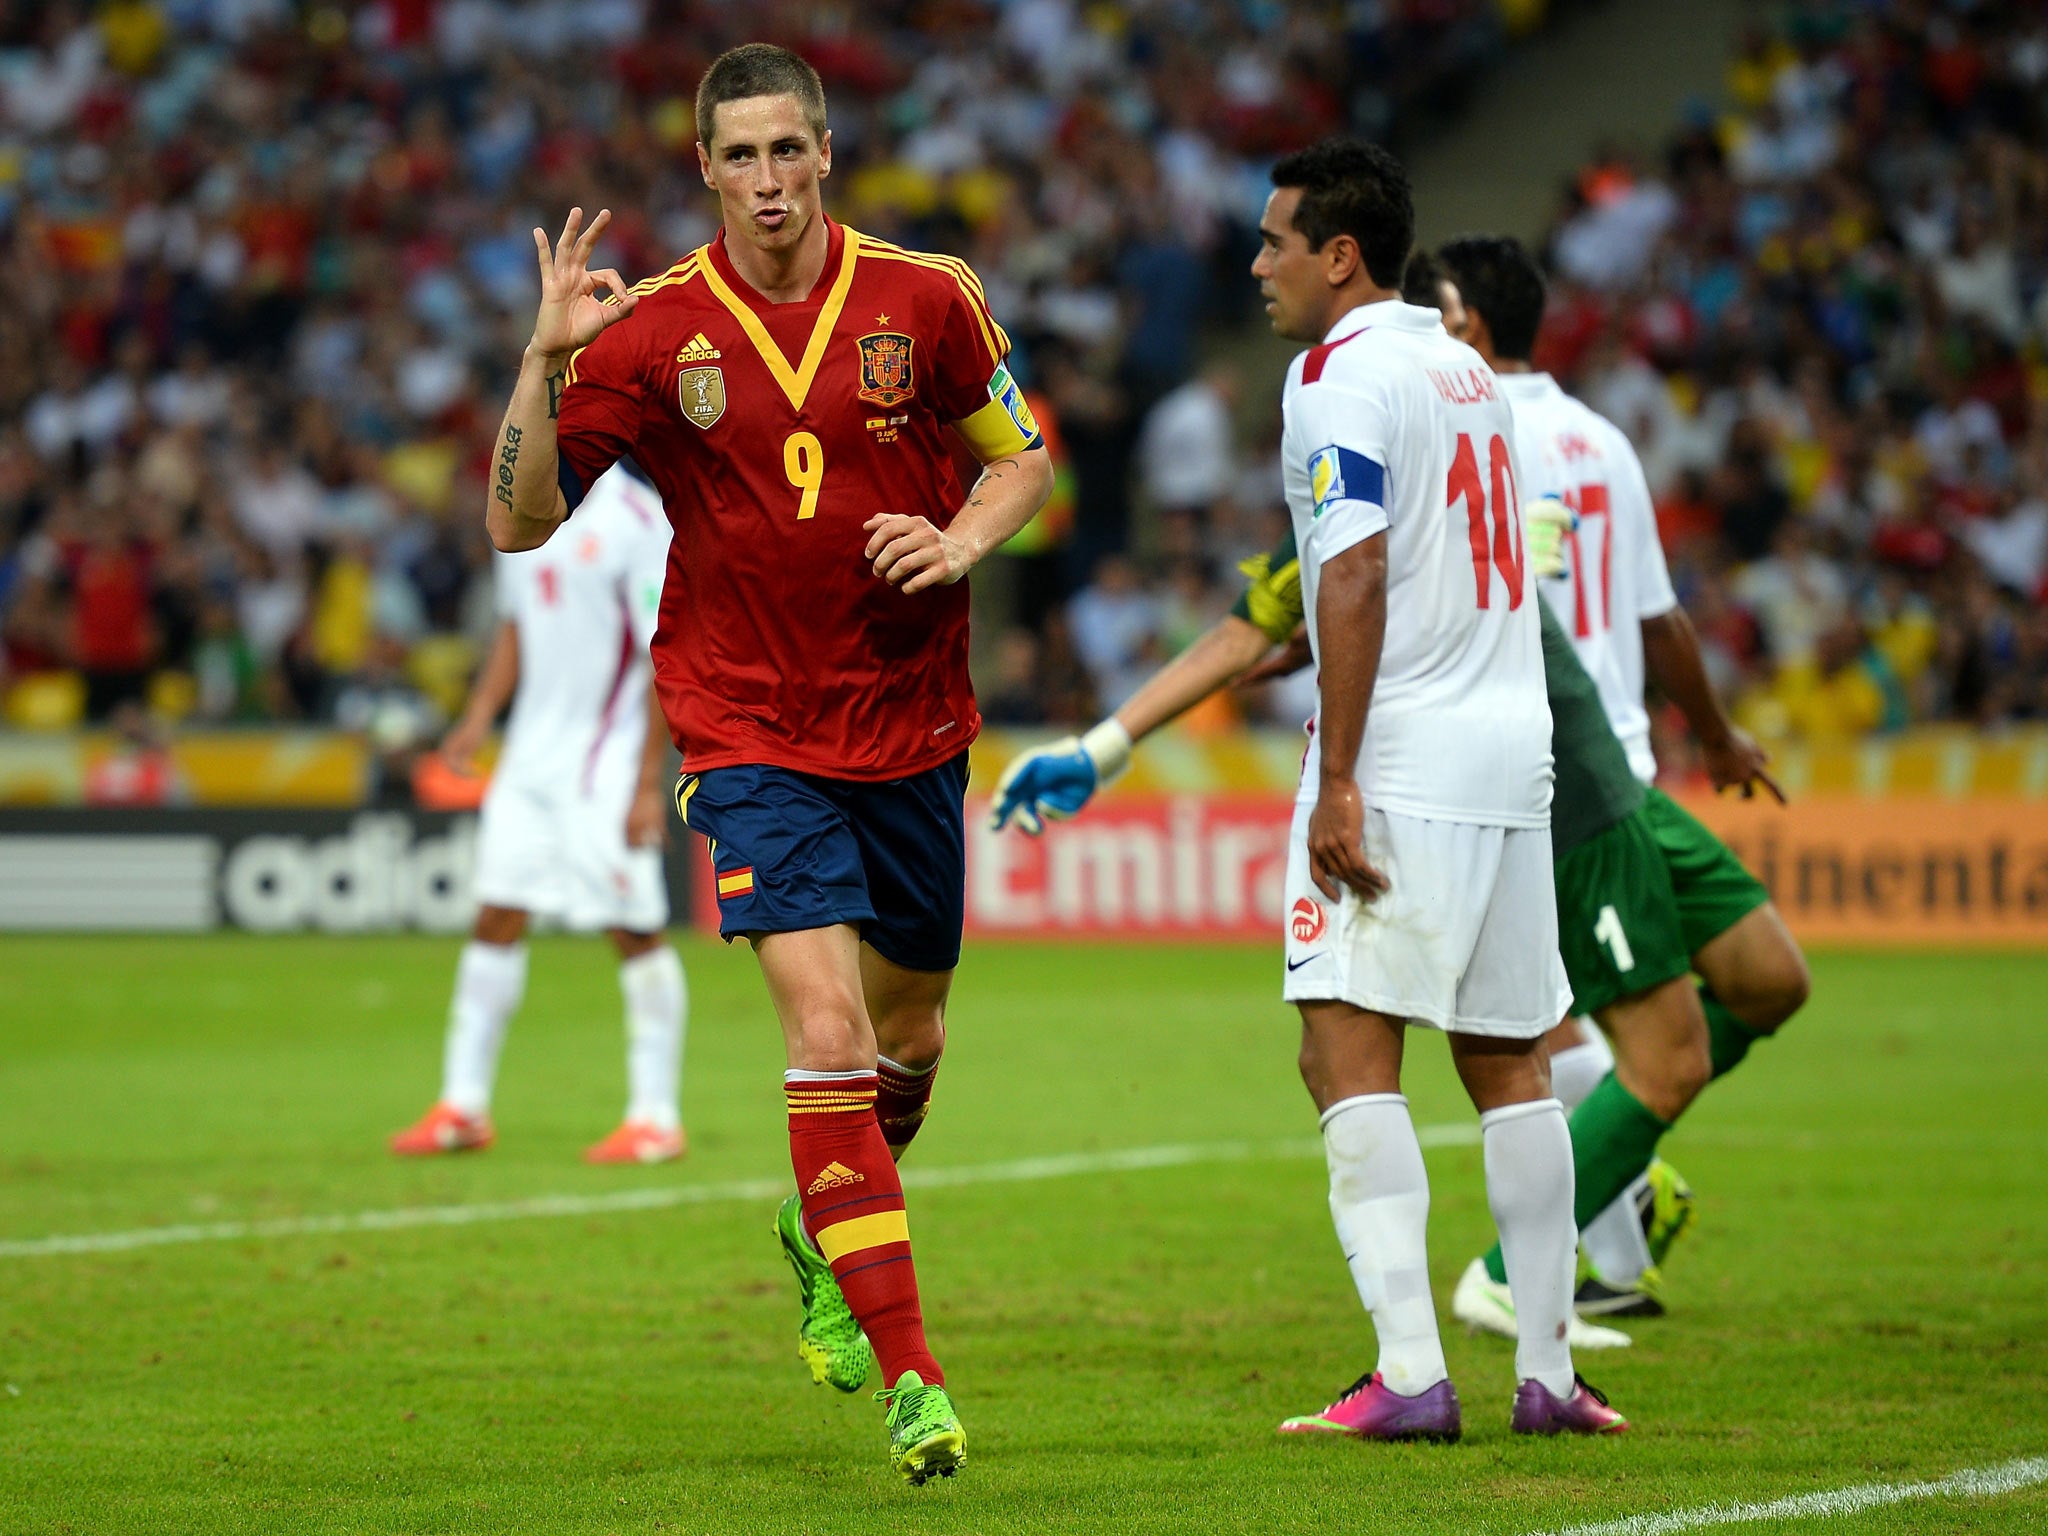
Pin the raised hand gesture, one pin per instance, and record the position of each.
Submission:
(1738, 762)
(571, 313)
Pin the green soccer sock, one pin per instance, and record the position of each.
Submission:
(1728, 1038)
(1613, 1139)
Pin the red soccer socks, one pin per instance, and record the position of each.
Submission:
(853, 1210)
(901, 1098)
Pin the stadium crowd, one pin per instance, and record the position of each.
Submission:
(1824, 320)
(268, 267)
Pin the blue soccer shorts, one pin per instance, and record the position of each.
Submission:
(793, 850)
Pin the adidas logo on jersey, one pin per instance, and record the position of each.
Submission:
(698, 351)
(834, 1176)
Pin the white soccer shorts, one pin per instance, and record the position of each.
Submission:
(1464, 939)
(564, 855)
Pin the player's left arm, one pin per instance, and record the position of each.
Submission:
(1671, 646)
(973, 390)
(914, 552)
(1671, 652)
(1056, 780)
(493, 690)
(647, 820)
(642, 575)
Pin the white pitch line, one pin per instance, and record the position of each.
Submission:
(1017, 1170)
(1973, 1482)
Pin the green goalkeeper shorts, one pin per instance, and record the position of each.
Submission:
(1636, 902)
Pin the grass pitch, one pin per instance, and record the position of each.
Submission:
(1862, 1301)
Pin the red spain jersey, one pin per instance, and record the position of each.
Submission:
(773, 432)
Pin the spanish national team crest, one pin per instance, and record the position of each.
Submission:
(702, 395)
(885, 374)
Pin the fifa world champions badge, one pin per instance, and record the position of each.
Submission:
(886, 377)
(701, 393)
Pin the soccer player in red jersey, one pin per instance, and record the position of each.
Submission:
(795, 390)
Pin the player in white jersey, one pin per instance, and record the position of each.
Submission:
(1419, 870)
(576, 817)
(1616, 580)
(1697, 909)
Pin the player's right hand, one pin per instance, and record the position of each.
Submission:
(571, 313)
(1284, 661)
(1336, 845)
(1048, 783)
(462, 743)
(1739, 762)
(1545, 522)
(647, 819)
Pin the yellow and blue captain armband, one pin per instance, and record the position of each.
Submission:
(1005, 425)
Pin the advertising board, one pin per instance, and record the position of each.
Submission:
(191, 871)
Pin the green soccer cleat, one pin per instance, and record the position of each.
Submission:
(1642, 1297)
(1671, 1212)
(925, 1437)
(829, 1339)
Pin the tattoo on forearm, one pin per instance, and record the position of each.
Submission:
(507, 457)
(989, 475)
(556, 382)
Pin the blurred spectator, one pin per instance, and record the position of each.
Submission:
(268, 275)
(1116, 627)
(1069, 693)
(1842, 689)
(268, 265)
(1796, 593)
(1833, 363)
(106, 566)
(277, 503)
(1012, 693)
(1184, 448)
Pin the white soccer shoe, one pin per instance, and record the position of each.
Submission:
(1484, 1305)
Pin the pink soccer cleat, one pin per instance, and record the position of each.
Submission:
(1539, 1411)
(638, 1142)
(1369, 1410)
(444, 1128)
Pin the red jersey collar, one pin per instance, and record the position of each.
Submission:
(753, 298)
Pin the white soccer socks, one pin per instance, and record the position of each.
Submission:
(1576, 1072)
(1528, 1150)
(657, 1009)
(1614, 1240)
(1379, 1200)
(490, 980)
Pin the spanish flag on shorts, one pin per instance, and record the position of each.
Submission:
(737, 882)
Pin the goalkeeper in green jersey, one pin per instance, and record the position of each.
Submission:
(1614, 598)
(1643, 891)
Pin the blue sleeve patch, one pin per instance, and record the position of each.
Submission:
(1338, 474)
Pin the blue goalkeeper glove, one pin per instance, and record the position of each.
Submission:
(1053, 782)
